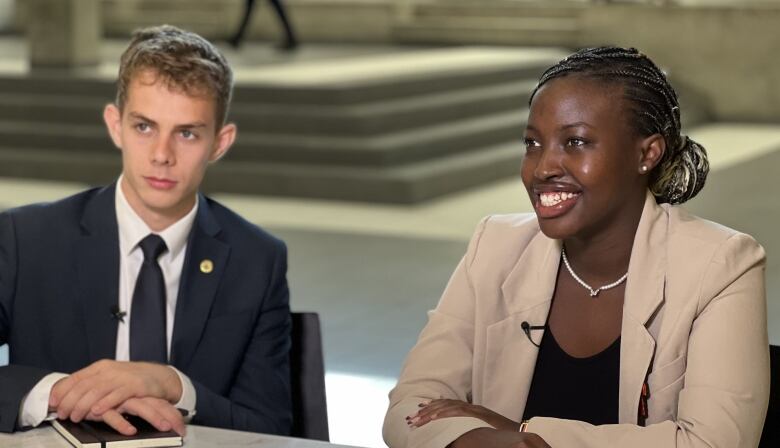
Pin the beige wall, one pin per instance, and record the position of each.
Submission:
(729, 55)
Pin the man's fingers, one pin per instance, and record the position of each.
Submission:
(115, 420)
(173, 415)
(147, 409)
(68, 402)
(111, 400)
(63, 386)
(87, 403)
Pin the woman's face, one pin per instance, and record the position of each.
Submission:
(582, 161)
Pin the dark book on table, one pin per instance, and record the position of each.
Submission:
(99, 435)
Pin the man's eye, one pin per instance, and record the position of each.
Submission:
(189, 135)
(531, 143)
(142, 127)
(576, 142)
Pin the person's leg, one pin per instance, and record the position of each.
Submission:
(237, 38)
(290, 41)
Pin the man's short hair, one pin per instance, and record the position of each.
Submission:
(184, 61)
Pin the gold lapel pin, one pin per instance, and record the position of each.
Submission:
(206, 266)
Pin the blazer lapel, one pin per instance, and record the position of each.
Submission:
(644, 295)
(511, 357)
(97, 264)
(199, 283)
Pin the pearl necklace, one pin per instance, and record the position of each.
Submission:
(593, 292)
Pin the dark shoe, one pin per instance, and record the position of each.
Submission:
(288, 45)
(234, 42)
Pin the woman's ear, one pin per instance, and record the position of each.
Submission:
(653, 149)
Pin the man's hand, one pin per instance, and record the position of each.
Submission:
(482, 437)
(437, 409)
(158, 412)
(107, 384)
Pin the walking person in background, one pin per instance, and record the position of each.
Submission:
(289, 43)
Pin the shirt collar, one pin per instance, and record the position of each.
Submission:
(132, 229)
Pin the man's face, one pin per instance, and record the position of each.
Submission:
(167, 139)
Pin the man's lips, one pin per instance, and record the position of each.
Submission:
(160, 183)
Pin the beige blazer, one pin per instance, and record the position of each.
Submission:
(694, 324)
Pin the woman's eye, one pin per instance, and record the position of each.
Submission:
(531, 143)
(576, 142)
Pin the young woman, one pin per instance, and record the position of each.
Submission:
(611, 316)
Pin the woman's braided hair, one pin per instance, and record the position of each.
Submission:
(653, 104)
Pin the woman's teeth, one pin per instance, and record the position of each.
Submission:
(551, 199)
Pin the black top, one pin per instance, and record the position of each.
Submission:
(584, 389)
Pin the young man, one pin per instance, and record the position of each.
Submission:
(144, 296)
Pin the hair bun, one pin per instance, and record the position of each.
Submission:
(682, 173)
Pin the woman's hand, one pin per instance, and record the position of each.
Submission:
(437, 409)
(482, 437)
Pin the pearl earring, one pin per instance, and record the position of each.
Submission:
(643, 168)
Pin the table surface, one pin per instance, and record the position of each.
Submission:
(197, 437)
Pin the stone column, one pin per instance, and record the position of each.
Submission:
(63, 33)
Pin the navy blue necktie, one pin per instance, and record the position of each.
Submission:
(147, 315)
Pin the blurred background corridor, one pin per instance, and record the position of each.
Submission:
(375, 145)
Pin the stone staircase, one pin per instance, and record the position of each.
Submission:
(395, 128)
(508, 22)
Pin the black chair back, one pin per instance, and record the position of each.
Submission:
(307, 369)
(770, 438)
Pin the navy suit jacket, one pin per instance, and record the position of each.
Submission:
(59, 281)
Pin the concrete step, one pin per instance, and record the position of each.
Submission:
(528, 23)
(359, 120)
(407, 184)
(388, 149)
(121, 17)
(74, 88)
(334, 82)
(498, 8)
(390, 127)
(562, 32)
(380, 150)
(64, 137)
(404, 184)
(393, 76)
(382, 117)
(52, 108)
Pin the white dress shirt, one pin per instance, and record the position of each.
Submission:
(132, 229)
